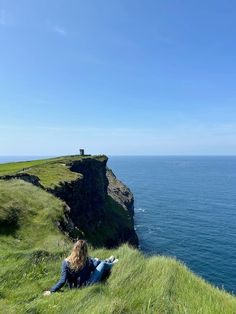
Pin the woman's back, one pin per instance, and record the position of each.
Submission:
(79, 277)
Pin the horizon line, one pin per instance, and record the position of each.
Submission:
(129, 155)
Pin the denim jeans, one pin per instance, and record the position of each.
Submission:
(97, 274)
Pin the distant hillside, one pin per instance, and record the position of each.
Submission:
(36, 223)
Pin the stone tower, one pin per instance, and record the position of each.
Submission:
(81, 151)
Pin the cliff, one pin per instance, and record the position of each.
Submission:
(120, 193)
(98, 206)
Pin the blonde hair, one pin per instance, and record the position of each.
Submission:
(78, 256)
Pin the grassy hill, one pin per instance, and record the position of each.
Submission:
(32, 249)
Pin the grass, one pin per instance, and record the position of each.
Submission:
(51, 172)
(15, 167)
(36, 213)
(32, 249)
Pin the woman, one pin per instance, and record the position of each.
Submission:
(78, 269)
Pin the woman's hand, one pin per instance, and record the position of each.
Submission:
(47, 293)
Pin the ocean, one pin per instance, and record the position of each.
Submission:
(185, 207)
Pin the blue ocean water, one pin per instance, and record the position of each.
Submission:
(186, 207)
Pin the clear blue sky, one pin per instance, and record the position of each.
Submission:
(117, 77)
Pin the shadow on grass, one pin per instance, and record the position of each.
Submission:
(9, 220)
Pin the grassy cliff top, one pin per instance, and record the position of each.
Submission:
(51, 172)
(32, 249)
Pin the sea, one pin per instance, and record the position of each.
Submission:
(185, 207)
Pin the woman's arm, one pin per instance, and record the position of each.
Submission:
(63, 278)
(93, 263)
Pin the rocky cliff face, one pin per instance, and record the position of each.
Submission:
(120, 193)
(101, 206)
(85, 197)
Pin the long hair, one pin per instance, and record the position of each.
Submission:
(77, 258)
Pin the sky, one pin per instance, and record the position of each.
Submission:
(125, 77)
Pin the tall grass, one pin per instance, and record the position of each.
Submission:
(31, 254)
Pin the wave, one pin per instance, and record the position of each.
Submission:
(139, 210)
